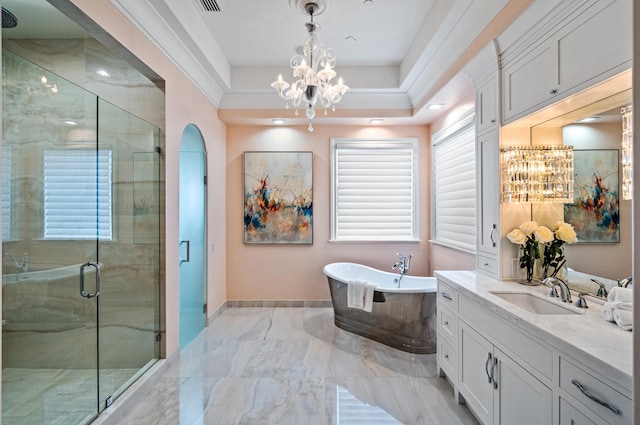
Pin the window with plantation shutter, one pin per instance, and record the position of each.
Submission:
(374, 188)
(77, 194)
(454, 187)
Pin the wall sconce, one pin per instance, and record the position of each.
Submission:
(627, 153)
(536, 174)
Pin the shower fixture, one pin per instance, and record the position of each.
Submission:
(9, 20)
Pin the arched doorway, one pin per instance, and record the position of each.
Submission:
(192, 235)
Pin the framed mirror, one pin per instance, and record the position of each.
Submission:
(600, 216)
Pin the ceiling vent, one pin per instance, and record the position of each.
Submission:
(210, 5)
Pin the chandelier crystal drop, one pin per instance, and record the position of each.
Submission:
(312, 70)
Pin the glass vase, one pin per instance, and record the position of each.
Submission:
(557, 266)
(529, 269)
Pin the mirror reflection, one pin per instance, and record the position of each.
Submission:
(602, 258)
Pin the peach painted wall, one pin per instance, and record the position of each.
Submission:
(185, 104)
(294, 272)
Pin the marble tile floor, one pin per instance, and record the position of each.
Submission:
(54, 396)
(292, 366)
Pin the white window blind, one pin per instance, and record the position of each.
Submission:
(77, 194)
(7, 163)
(454, 182)
(374, 190)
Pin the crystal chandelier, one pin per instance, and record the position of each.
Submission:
(537, 174)
(627, 153)
(312, 68)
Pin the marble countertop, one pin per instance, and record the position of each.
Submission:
(585, 337)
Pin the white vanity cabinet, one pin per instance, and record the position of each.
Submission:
(496, 380)
(513, 367)
(593, 395)
(580, 44)
(497, 388)
(446, 310)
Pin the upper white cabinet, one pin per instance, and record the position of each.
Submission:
(590, 44)
(487, 105)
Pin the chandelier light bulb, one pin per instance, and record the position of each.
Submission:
(312, 70)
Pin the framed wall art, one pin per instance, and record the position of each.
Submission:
(278, 198)
(595, 211)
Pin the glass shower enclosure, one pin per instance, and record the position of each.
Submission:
(80, 245)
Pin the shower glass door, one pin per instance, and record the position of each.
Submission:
(49, 329)
(81, 248)
(130, 290)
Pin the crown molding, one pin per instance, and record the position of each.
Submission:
(208, 70)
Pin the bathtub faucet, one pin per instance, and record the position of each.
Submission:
(402, 265)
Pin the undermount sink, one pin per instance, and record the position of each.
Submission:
(534, 303)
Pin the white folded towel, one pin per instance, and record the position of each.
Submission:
(623, 318)
(607, 312)
(618, 294)
(360, 295)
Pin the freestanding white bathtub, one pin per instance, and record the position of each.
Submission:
(402, 316)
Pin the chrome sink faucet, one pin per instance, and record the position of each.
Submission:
(602, 290)
(402, 265)
(552, 282)
(625, 282)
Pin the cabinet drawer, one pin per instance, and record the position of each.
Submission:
(571, 376)
(488, 264)
(447, 296)
(447, 325)
(518, 343)
(569, 415)
(448, 360)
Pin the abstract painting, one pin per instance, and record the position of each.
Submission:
(595, 211)
(278, 197)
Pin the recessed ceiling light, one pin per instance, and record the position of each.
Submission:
(374, 121)
(434, 106)
(70, 122)
(588, 119)
(103, 73)
(278, 121)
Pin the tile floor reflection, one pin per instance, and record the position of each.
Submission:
(292, 366)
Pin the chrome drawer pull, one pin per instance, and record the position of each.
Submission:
(486, 366)
(447, 296)
(611, 407)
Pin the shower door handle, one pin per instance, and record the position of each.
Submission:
(188, 251)
(82, 291)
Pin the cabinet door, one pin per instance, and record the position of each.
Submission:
(488, 192)
(569, 415)
(476, 358)
(520, 398)
(600, 44)
(530, 80)
(487, 105)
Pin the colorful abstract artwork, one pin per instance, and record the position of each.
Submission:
(278, 197)
(595, 211)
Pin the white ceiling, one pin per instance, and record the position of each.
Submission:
(396, 55)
